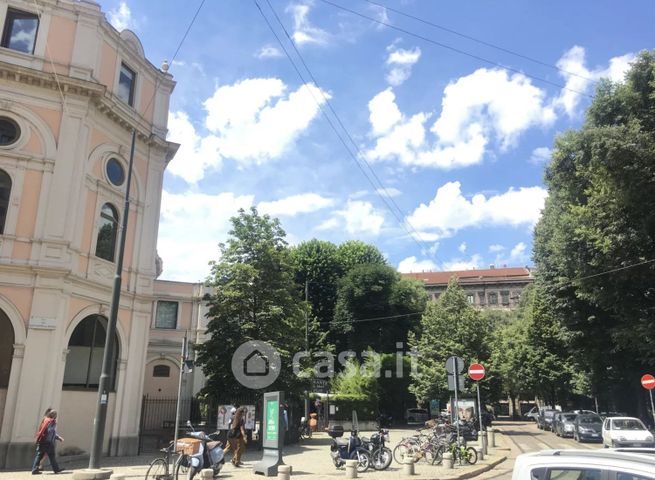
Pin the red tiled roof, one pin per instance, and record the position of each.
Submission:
(465, 276)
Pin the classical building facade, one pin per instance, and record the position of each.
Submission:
(485, 288)
(72, 89)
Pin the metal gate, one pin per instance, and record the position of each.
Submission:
(158, 420)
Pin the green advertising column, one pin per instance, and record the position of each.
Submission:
(273, 435)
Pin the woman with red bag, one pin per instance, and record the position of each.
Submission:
(45, 443)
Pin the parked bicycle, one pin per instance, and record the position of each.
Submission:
(304, 430)
(161, 468)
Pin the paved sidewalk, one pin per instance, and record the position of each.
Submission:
(310, 460)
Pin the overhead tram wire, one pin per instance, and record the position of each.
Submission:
(359, 158)
(455, 49)
(477, 40)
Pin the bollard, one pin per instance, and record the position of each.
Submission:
(207, 474)
(493, 437)
(484, 441)
(283, 472)
(448, 460)
(480, 452)
(408, 467)
(351, 468)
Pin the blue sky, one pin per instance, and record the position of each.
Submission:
(457, 145)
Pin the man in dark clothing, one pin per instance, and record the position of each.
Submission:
(45, 443)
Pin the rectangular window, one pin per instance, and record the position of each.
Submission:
(166, 316)
(20, 31)
(470, 298)
(481, 298)
(493, 298)
(126, 84)
(505, 297)
(574, 474)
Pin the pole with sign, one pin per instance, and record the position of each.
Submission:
(648, 382)
(476, 373)
(273, 435)
(455, 366)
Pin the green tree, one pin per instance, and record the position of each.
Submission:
(449, 326)
(376, 308)
(254, 298)
(356, 252)
(599, 218)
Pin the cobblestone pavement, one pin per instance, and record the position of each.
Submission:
(309, 460)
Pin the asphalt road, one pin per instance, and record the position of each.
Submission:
(525, 437)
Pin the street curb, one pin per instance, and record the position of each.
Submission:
(485, 468)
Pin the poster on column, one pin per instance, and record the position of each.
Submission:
(249, 417)
(224, 417)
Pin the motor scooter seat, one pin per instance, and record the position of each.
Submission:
(365, 440)
(342, 442)
(213, 445)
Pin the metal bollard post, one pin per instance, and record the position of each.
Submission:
(448, 460)
(351, 468)
(207, 474)
(480, 452)
(484, 442)
(408, 467)
(283, 472)
(493, 437)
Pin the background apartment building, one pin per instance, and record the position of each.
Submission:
(484, 288)
(72, 89)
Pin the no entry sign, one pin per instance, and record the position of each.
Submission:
(476, 372)
(648, 381)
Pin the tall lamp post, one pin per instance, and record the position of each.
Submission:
(306, 344)
(105, 375)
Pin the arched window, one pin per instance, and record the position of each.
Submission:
(106, 245)
(6, 348)
(161, 371)
(5, 191)
(86, 348)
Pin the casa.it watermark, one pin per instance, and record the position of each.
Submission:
(257, 364)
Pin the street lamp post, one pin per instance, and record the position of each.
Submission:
(105, 375)
(306, 345)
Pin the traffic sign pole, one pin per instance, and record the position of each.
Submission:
(652, 408)
(477, 384)
(648, 382)
(456, 410)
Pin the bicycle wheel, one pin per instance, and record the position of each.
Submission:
(402, 451)
(158, 470)
(182, 468)
(471, 455)
(437, 455)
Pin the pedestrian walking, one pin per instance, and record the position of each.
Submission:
(45, 443)
(236, 437)
(45, 417)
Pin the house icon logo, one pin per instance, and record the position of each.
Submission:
(256, 364)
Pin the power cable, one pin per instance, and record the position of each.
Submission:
(607, 272)
(390, 317)
(388, 200)
(481, 42)
(455, 49)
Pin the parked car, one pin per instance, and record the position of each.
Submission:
(588, 427)
(417, 415)
(532, 414)
(563, 424)
(583, 465)
(626, 432)
(545, 418)
(585, 412)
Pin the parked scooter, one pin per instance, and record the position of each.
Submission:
(207, 454)
(381, 455)
(350, 449)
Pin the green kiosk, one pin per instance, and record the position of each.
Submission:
(273, 435)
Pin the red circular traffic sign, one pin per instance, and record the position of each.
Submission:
(476, 372)
(648, 381)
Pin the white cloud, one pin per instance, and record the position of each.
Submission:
(411, 264)
(540, 155)
(450, 211)
(580, 79)
(487, 105)
(496, 248)
(518, 251)
(462, 247)
(358, 217)
(191, 226)
(295, 204)
(121, 17)
(251, 122)
(400, 63)
(474, 262)
(518, 255)
(389, 192)
(303, 31)
(269, 51)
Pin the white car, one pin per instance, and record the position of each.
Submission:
(583, 465)
(626, 432)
